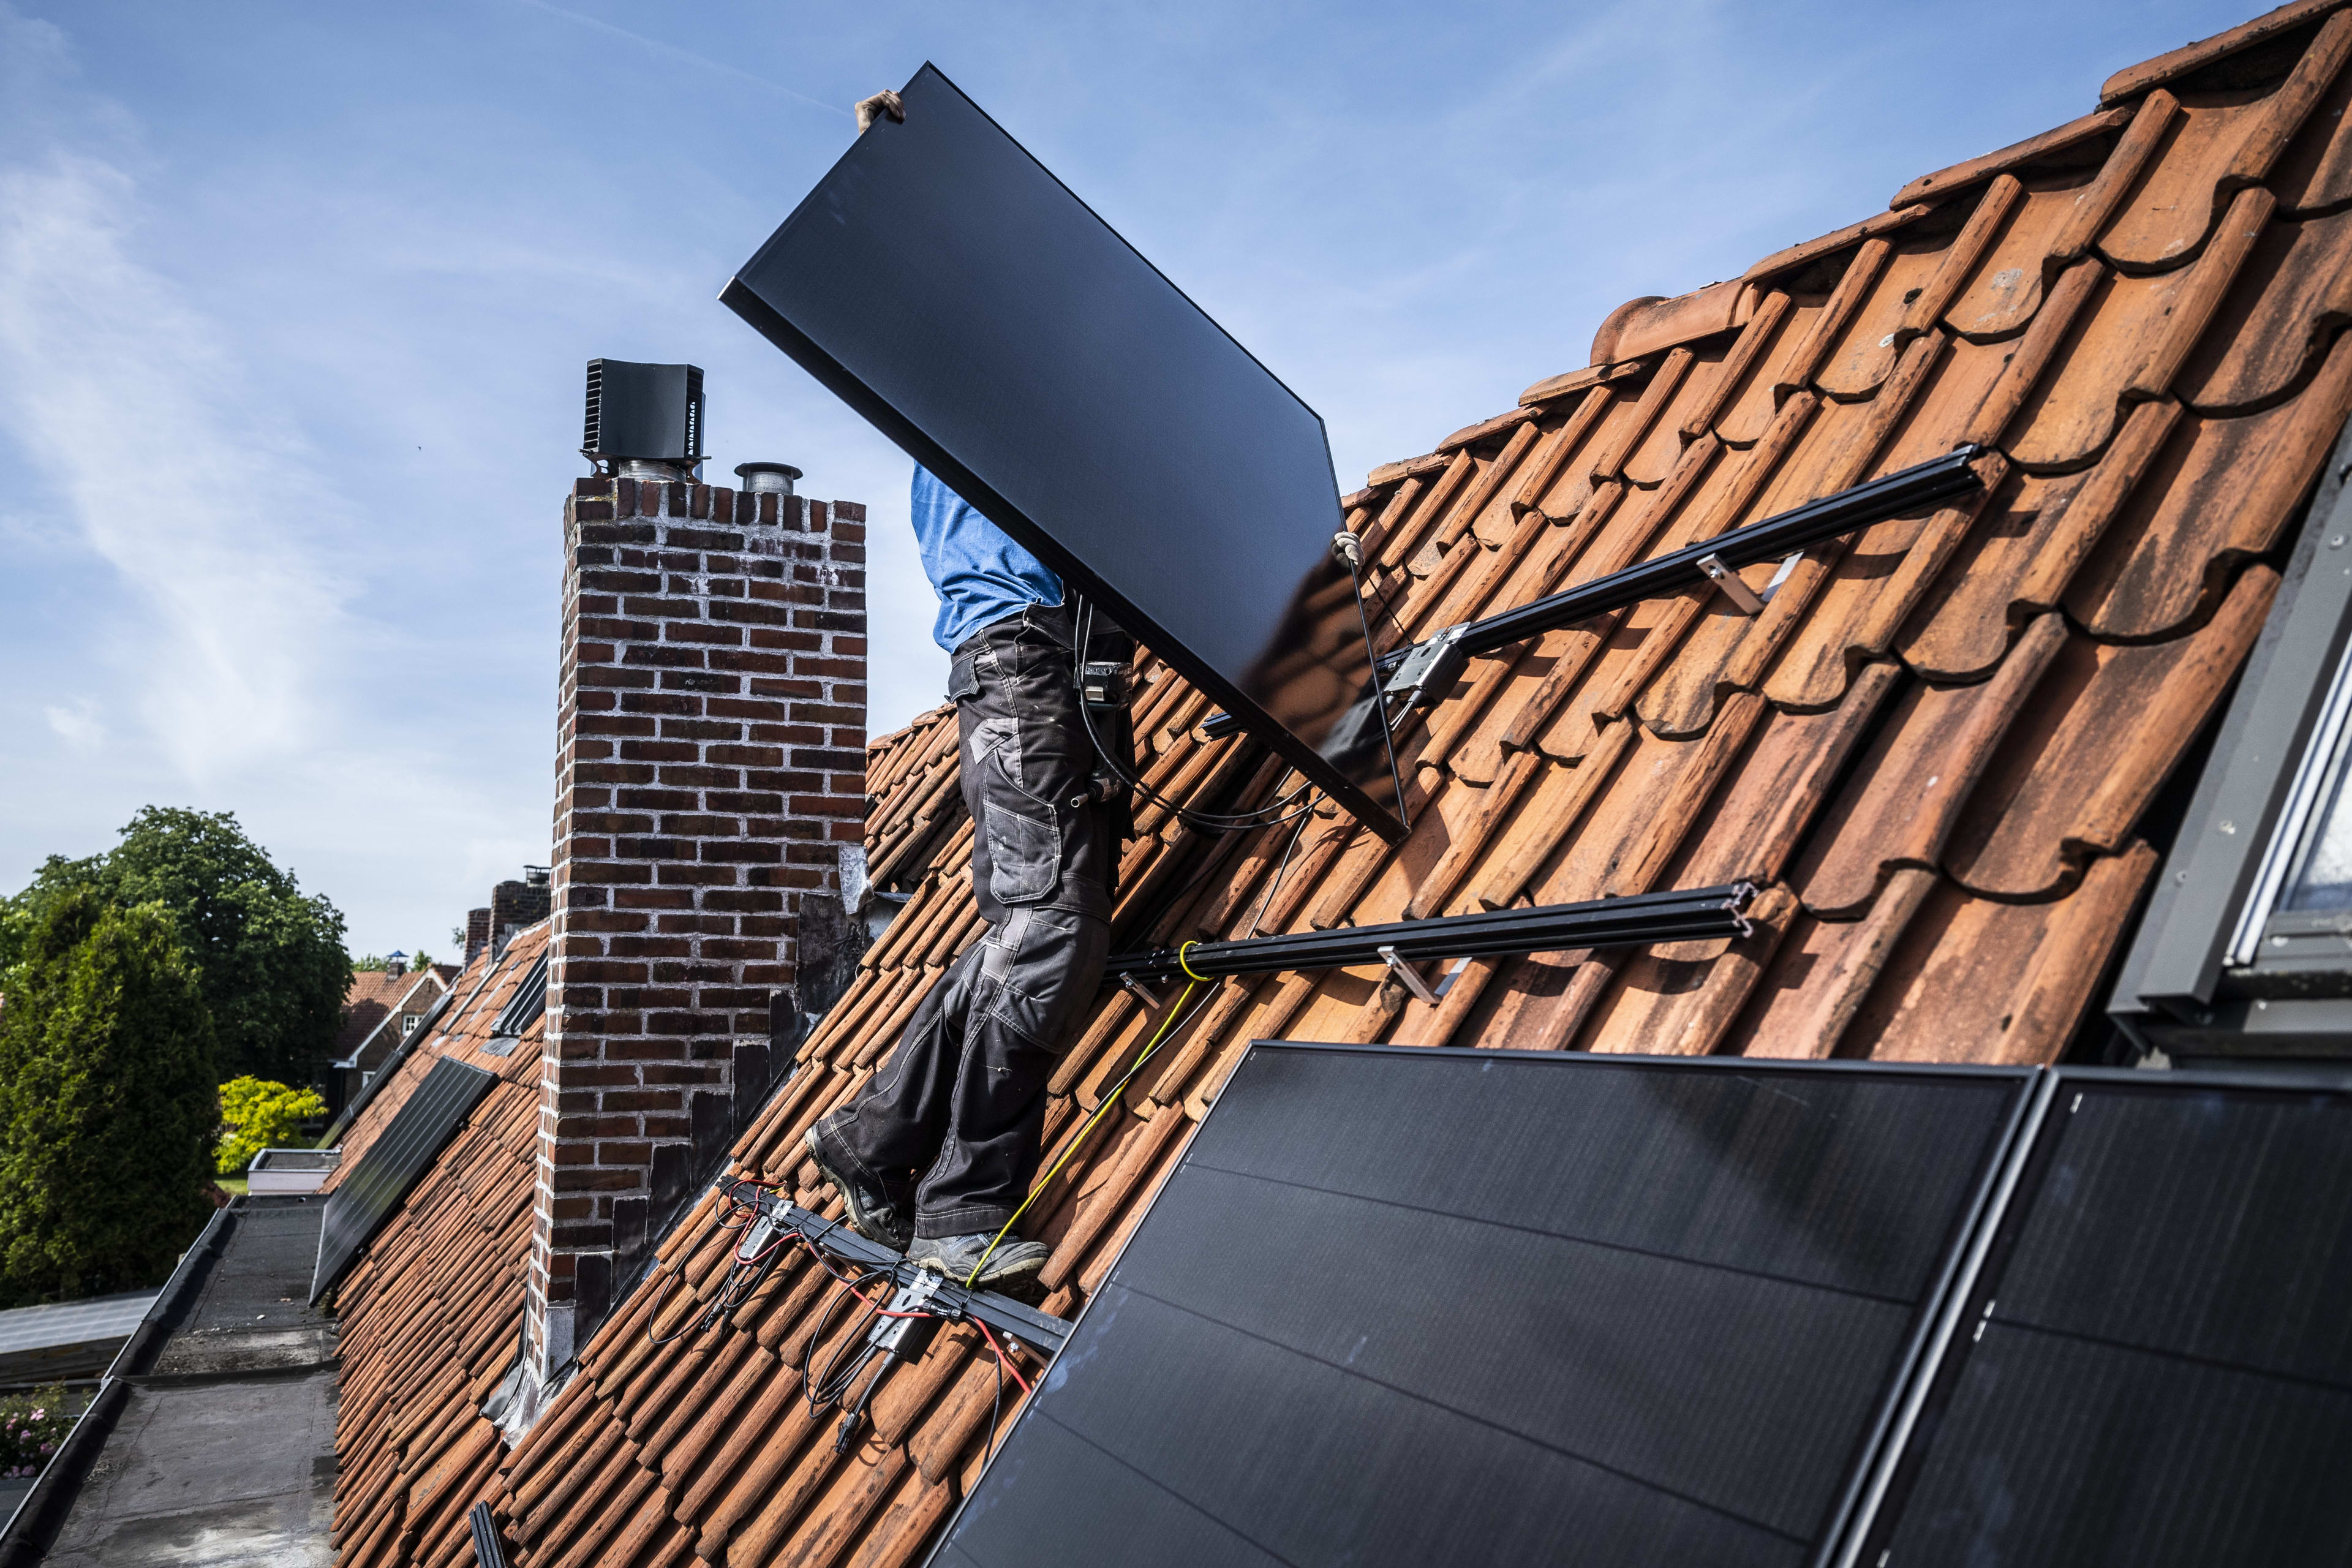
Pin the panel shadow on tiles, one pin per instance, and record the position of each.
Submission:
(1415, 1306)
(374, 1187)
(2159, 1366)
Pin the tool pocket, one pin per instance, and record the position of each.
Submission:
(1024, 855)
(963, 678)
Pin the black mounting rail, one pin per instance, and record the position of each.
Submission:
(1426, 671)
(941, 1296)
(1692, 915)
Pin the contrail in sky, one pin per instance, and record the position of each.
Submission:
(688, 55)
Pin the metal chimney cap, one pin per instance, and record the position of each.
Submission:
(761, 477)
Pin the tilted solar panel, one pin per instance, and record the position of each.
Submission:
(2155, 1367)
(1414, 1306)
(372, 1187)
(942, 282)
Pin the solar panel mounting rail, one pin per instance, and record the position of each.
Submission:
(1040, 1330)
(1688, 915)
(1426, 671)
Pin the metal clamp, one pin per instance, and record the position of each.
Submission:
(1140, 991)
(1735, 587)
(1430, 669)
(1407, 976)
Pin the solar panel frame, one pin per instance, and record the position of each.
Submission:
(1931, 1314)
(1061, 384)
(376, 1184)
(1912, 1507)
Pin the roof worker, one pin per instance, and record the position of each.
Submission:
(936, 1154)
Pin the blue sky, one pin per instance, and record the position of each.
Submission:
(294, 301)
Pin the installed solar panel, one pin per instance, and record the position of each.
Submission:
(371, 1188)
(2157, 1363)
(947, 287)
(1417, 1307)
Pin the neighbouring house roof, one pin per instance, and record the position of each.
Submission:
(376, 1003)
(1936, 751)
(67, 1338)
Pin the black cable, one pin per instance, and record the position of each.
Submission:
(1280, 871)
(1208, 822)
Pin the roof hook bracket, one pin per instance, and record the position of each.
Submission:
(1735, 587)
(1141, 992)
(1407, 976)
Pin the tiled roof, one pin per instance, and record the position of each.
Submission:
(912, 802)
(429, 1314)
(1933, 749)
(374, 995)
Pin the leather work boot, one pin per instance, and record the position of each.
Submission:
(871, 1213)
(1012, 1269)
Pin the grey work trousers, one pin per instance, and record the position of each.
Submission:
(954, 1119)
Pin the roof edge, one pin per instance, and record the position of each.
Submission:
(1853, 234)
(2134, 80)
(1973, 170)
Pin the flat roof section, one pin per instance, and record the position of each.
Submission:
(223, 1452)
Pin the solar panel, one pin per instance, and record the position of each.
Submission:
(521, 1011)
(945, 285)
(1413, 1306)
(374, 1186)
(2157, 1366)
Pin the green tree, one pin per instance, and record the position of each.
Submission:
(270, 957)
(258, 1114)
(107, 1105)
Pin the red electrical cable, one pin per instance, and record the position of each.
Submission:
(1002, 1359)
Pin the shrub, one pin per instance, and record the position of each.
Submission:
(108, 1109)
(257, 1114)
(33, 1425)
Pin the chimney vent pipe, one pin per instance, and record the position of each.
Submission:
(758, 478)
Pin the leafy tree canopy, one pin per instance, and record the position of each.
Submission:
(270, 958)
(107, 1107)
(257, 1114)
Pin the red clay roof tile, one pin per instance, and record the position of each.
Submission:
(1919, 751)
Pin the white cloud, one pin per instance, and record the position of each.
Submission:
(143, 421)
(78, 725)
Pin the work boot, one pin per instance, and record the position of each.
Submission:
(1010, 1269)
(871, 1213)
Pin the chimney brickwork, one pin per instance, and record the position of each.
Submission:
(710, 761)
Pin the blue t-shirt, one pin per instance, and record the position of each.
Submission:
(979, 573)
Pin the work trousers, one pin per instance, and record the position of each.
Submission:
(954, 1119)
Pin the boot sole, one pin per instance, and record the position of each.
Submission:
(861, 1223)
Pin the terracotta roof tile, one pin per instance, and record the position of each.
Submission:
(1931, 750)
(2171, 67)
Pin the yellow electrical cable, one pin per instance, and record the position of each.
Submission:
(1110, 1099)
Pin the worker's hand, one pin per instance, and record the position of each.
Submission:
(870, 109)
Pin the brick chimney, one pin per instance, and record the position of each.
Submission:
(477, 934)
(710, 761)
(515, 905)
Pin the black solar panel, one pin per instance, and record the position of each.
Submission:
(522, 1010)
(1421, 1307)
(944, 284)
(2155, 1365)
(374, 1186)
